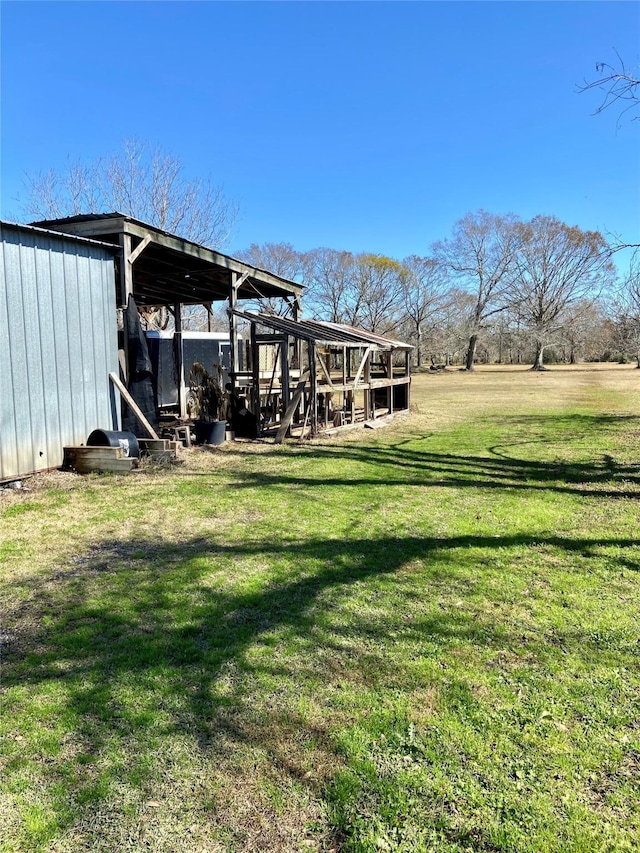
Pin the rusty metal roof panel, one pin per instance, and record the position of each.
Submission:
(306, 329)
(324, 333)
(372, 337)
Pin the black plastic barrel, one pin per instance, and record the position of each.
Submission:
(112, 438)
(210, 432)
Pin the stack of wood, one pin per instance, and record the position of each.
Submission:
(159, 449)
(86, 460)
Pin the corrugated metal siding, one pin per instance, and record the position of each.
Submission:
(58, 342)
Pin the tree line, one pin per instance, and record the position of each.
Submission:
(498, 289)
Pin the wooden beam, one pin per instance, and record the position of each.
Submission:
(369, 396)
(313, 381)
(233, 330)
(178, 344)
(324, 370)
(139, 249)
(134, 406)
(126, 271)
(284, 372)
(290, 412)
(255, 367)
(361, 367)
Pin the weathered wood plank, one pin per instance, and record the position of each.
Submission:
(325, 370)
(154, 443)
(133, 405)
(139, 249)
(96, 452)
(288, 415)
(86, 460)
(115, 466)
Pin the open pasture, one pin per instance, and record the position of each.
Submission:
(419, 638)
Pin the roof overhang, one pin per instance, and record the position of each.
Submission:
(324, 334)
(168, 269)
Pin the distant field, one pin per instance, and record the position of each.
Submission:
(420, 638)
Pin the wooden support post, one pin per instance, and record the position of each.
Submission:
(284, 373)
(126, 269)
(236, 281)
(297, 308)
(233, 329)
(369, 404)
(255, 393)
(178, 344)
(390, 378)
(297, 313)
(126, 288)
(313, 381)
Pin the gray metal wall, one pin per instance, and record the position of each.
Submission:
(58, 342)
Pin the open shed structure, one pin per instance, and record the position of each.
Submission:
(61, 284)
(316, 376)
(161, 269)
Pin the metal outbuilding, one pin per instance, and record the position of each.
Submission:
(158, 268)
(58, 343)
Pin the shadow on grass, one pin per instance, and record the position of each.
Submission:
(140, 636)
(402, 463)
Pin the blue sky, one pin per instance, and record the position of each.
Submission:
(359, 126)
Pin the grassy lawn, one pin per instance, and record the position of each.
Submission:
(422, 638)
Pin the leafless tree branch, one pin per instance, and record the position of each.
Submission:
(619, 86)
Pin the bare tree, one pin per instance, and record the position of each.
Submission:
(142, 182)
(618, 85)
(423, 284)
(555, 266)
(451, 336)
(279, 258)
(583, 331)
(358, 290)
(479, 255)
(377, 293)
(627, 311)
(327, 277)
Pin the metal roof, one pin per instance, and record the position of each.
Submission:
(171, 269)
(329, 334)
(372, 337)
(35, 229)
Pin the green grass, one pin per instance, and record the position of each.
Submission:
(423, 638)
